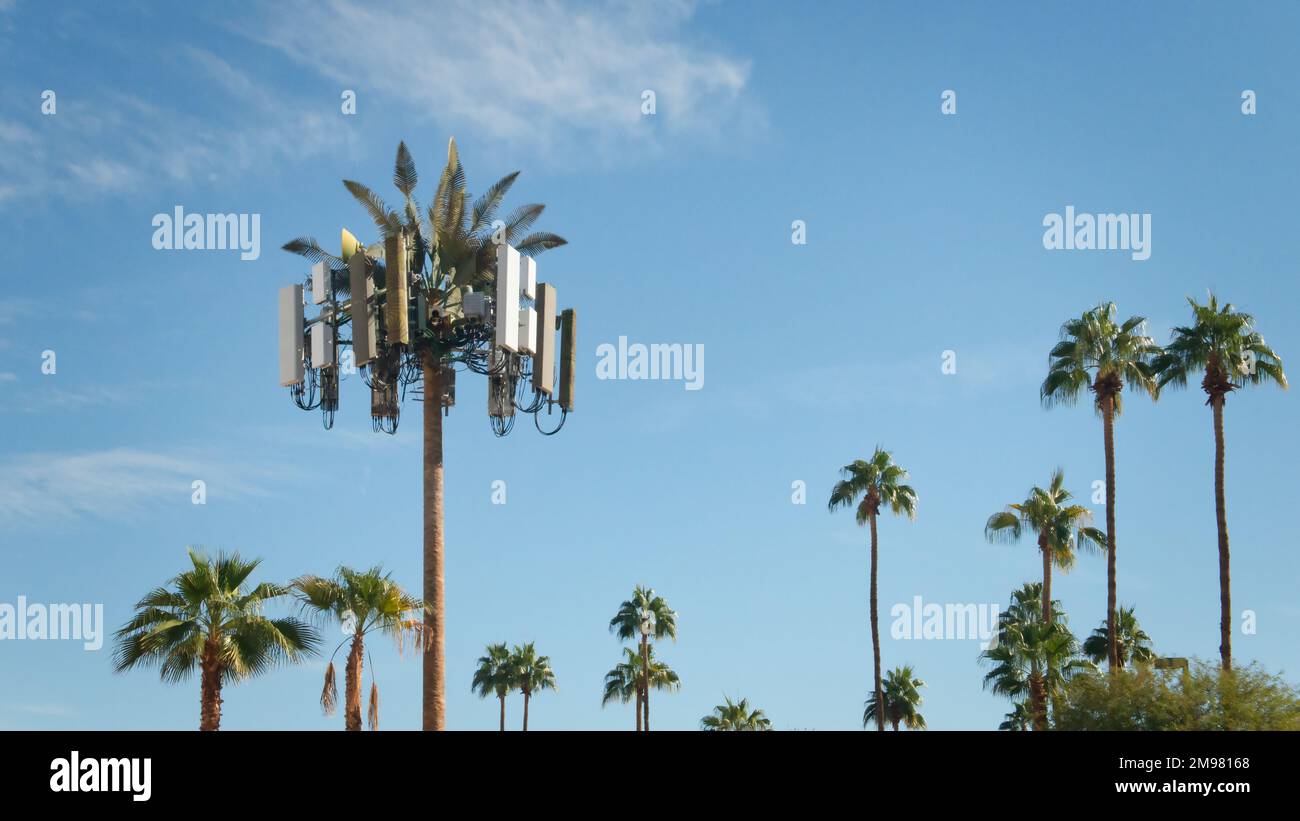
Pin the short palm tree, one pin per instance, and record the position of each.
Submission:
(208, 620)
(1134, 643)
(1102, 355)
(362, 602)
(532, 673)
(1019, 719)
(902, 701)
(623, 683)
(1221, 343)
(868, 485)
(735, 716)
(1032, 659)
(495, 676)
(1059, 526)
(645, 616)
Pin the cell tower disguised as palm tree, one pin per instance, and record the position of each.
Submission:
(446, 290)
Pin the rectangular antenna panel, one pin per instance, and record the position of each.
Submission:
(363, 315)
(528, 331)
(507, 328)
(544, 356)
(322, 345)
(320, 282)
(568, 359)
(291, 371)
(528, 276)
(395, 284)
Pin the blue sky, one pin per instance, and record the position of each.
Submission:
(924, 234)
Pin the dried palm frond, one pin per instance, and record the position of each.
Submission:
(372, 714)
(329, 697)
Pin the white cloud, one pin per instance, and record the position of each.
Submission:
(110, 142)
(42, 395)
(550, 75)
(59, 710)
(42, 489)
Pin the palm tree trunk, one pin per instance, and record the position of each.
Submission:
(210, 690)
(645, 680)
(1108, 420)
(502, 699)
(638, 707)
(525, 711)
(352, 687)
(875, 633)
(434, 702)
(1038, 701)
(1047, 579)
(1221, 516)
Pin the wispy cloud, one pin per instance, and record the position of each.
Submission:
(43, 488)
(42, 394)
(50, 710)
(110, 142)
(547, 74)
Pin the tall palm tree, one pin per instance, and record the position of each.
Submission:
(624, 682)
(1102, 355)
(495, 675)
(208, 620)
(1134, 643)
(1059, 526)
(532, 673)
(1221, 343)
(451, 251)
(647, 616)
(902, 700)
(1032, 659)
(362, 602)
(878, 481)
(735, 716)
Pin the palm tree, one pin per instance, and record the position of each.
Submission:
(623, 683)
(735, 716)
(878, 481)
(450, 252)
(1060, 527)
(1020, 718)
(1032, 659)
(902, 698)
(207, 620)
(362, 602)
(647, 616)
(1223, 344)
(1134, 643)
(1100, 354)
(532, 673)
(495, 675)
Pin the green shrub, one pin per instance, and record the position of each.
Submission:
(1203, 698)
